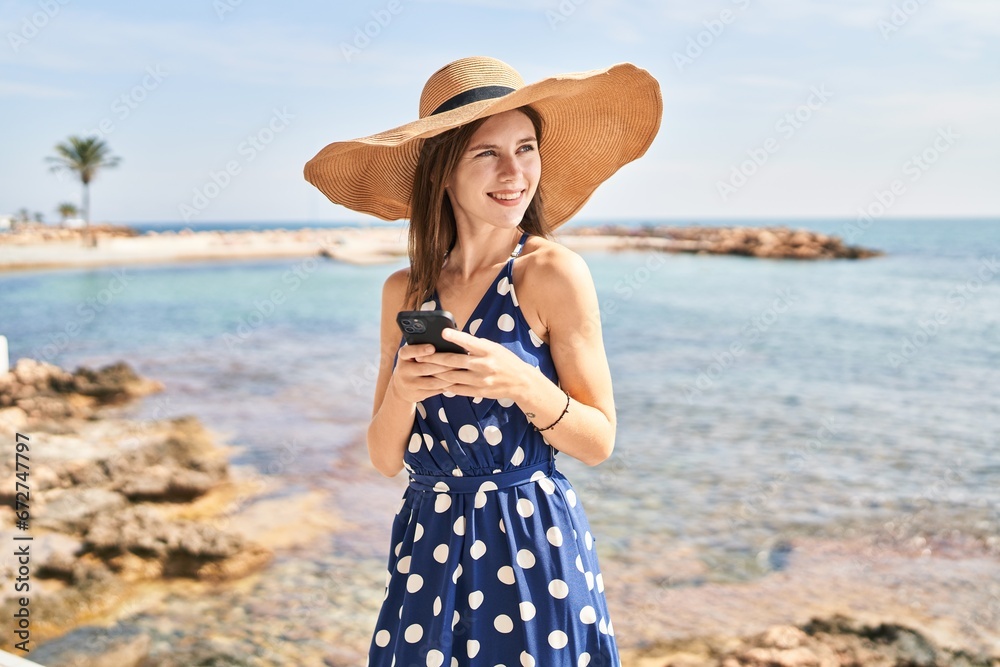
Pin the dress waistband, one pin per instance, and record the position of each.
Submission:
(474, 483)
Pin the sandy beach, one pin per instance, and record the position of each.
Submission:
(41, 247)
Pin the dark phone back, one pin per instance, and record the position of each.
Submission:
(425, 326)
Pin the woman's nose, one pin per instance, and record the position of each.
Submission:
(509, 166)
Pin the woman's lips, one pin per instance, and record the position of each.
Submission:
(507, 198)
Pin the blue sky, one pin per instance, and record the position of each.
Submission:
(902, 93)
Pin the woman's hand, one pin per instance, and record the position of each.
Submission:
(414, 376)
(490, 370)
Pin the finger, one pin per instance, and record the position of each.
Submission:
(449, 359)
(466, 340)
(414, 351)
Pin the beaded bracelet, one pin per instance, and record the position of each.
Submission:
(565, 410)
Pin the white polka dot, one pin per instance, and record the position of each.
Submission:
(535, 340)
(418, 532)
(457, 472)
(422, 410)
(442, 415)
(448, 394)
(600, 582)
(558, 639)
(444, 445)
(527, 611)
(525, 558)
(513, 296)
(414, 583)
(584, 660)
(478, 549)
(503, 623)
(477, 399)
(590, 580)
(415, 441)
(558, 589)
(505, 402)
(472, 648)
(458, 573)
(401, 611)
(503, 528)
(488, 486)
(554, 536)
(579, 563)
(611, 629)
(414, 633)
(603, 627)
(571, 497)
(442, 502)
(441, 553)
(480, 500)
(517, 458)
(588, 615)
(468, 433)
(435, 658)
(437, 605)
(492, 435)
(589, 539)
(506, 574)
(428, 305)
(429, 441)
(527, 660)
(459, 526)
(403, 565)
(398, 547)
(475, 599)
(505, 322)
(382, 638)
(474, 326)
(503, 286)
(525, 508)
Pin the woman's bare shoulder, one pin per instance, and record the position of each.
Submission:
(553, 264)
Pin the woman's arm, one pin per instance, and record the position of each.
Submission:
(568, 307)
(398, 390)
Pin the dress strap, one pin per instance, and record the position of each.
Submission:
(520, 244)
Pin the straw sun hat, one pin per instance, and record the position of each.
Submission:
(594, 122)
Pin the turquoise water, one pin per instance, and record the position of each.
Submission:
(757, 400)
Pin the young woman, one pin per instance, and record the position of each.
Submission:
(492, 560)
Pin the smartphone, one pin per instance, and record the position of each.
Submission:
(425, 326)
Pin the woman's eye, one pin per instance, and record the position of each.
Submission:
(529, 147)
(485, 153)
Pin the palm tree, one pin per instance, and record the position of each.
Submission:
(68, 210)
(85, 157)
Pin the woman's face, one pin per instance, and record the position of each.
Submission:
(498, 173)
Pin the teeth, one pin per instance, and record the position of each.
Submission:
(506, 197)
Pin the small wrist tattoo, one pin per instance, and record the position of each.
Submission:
(529, 415)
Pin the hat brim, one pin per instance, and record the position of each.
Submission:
(595, 122)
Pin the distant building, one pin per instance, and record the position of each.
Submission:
(73, 222)
(6, 222)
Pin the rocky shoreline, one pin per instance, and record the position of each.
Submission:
(113, 503)
(41, 246)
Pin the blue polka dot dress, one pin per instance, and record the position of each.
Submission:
(492, 561)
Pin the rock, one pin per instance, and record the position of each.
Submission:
(91, 646)
(72, 510)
